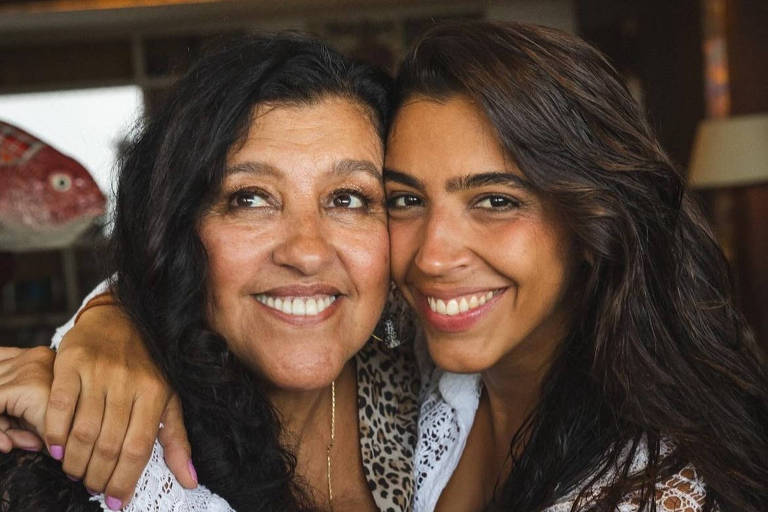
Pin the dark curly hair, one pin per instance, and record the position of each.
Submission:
(167, 180)
(168, 176)
(657, 351)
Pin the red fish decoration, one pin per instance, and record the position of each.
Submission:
(47, 199)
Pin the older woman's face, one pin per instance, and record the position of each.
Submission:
(481, 258)
(297, 242)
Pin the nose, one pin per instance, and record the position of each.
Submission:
(442, 250)
(304, 247)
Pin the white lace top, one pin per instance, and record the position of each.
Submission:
(449, 402)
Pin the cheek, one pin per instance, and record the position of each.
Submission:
(366, 256)
(404, 243)
(232, 251)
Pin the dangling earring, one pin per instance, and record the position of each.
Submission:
(390, 338)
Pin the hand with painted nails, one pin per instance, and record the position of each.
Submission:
(107, 401)
(25, 382)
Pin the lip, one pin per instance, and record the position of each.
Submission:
(462, 321)
(299, 290)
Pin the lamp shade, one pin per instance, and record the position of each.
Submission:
(729, 152)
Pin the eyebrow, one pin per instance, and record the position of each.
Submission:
(486, 178)
(461, 182)
(405, 179)
(343, 167)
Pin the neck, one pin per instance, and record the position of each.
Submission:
(512, 387)
(304, 413)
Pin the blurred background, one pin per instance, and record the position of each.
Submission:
(76, 75)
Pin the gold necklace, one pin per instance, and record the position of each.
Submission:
(330, 443)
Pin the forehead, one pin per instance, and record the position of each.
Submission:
(309, 135)
(444, 136)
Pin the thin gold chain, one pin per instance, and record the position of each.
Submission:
(330, 443)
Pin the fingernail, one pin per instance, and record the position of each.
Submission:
(192, 471)
(73, 478)
(92, 493)
(30, 449)
(57, 451)
(114, 503)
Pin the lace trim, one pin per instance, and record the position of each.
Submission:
(159, 491)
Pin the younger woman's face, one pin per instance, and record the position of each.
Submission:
(481, 258)
(297, 242)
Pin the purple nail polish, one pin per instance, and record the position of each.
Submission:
(57, 451)
(92, 493)
(192, 471)
(114, 503)
(73, 478)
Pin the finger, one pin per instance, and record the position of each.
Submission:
(137, 448)
(65, 393)
(24, 440)
(176, 448)
(108, 449)
(85, 431)
(9, 352)
(6, 443)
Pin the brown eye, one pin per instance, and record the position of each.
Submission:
(247, 199)
(348, 200)
(497, 203)
(403, 201)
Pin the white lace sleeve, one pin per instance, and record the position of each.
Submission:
(64, 329)
(159, 491)
(684, 491)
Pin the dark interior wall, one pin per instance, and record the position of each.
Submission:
(747, 40)
(656, 44)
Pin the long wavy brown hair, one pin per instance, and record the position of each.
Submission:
(658, 355)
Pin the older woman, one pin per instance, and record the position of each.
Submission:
(250, 248)
(588, 355)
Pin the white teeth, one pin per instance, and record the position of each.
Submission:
(458, 305)
(298, 306)
(311, 307)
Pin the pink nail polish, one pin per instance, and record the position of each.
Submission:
(92, 493)
(192, 471)
(73, 478)
(57, 451)
(114, 503)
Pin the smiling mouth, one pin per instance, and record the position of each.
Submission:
(460, 304)
(298, 306)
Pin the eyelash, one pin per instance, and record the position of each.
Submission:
(242, 193)
(364, 198)
(511, 203)
(394, 198)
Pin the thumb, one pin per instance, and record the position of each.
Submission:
(173, 437)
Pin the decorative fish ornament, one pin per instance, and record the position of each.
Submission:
(47, 199)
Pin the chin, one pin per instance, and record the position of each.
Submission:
(305, 374)
(459, 356)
